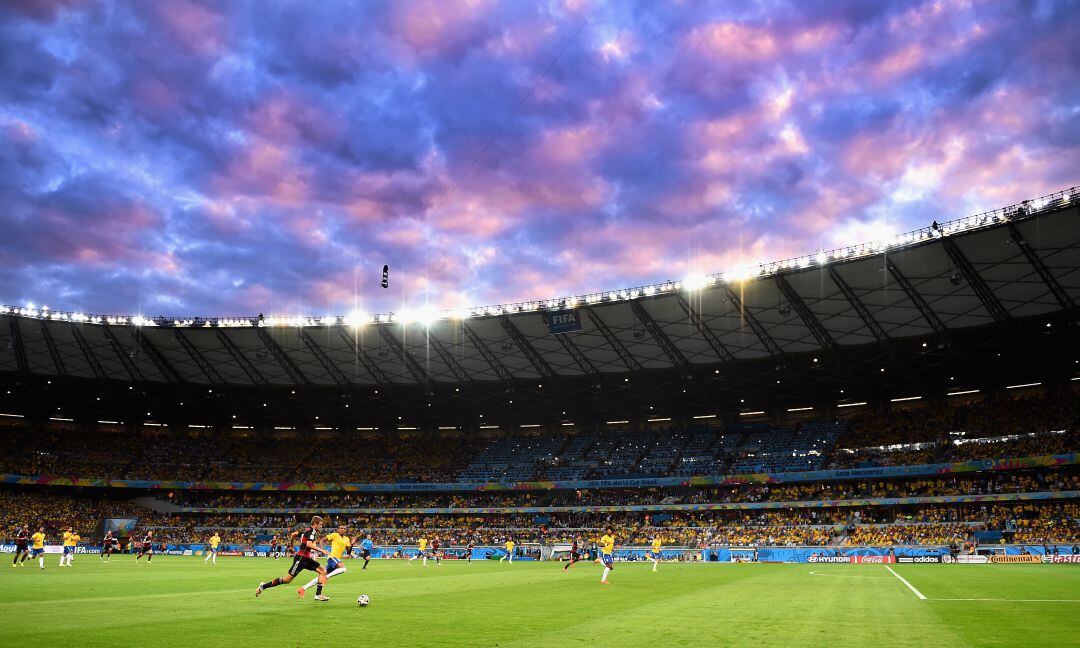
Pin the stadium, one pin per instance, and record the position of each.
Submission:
(877, 441)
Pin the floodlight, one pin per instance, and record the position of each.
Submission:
(696, 281)
(356, 318)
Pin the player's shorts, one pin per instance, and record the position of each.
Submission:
(365, 553)
(147, 548)
(300, 563)
(575, 556)
(654, 554)
(332, 564)
(68, 550)
(20, 547)
(213, 549)
(607, 559)
(34, 553)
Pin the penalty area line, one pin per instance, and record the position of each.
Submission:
(1001, 600)
(909, 585)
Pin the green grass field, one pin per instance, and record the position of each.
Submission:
(182, 602)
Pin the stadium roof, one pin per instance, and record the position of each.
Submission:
(945, 297)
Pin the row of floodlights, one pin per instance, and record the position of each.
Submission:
(692, 282)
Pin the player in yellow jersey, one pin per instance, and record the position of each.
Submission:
(38, 550)
(340, 544)
(655, 555)
(71, 539)
(422, 554)
(215, 540)
(509, 551)
(607, 553)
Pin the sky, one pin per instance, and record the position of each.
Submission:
(225, 159)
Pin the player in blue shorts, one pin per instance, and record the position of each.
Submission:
(607, 553)
(38, 548)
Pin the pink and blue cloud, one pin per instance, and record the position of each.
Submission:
(190, 157)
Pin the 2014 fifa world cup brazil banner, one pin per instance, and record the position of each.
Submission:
(886, 472)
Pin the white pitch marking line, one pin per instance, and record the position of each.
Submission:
(1010, 600)
(909, 585)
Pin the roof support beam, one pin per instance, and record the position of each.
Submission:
(88, 353)
(920, 304)
(1044, 273)
(336, 374)
(372, 367)
(212, 375)
(17, 345)
(253, 374)
(448, 358)
(703, 329)
(672, 352)
(54, 351)
(125, 359)
(853, 300)
(986, 296)
(283, 358)
(583, 362)
(762, 335)
(500, 370)
(614, 342)
(166, 369)
(807, 316)
(542, 367)
(414, 368)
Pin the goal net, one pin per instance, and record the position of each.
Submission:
(744, 554)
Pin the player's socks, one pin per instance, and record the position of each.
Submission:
(41, 562)
(339, 570)
(607, 570)
(366, 561)
(311, 583)
(273, 583)
(424, 564)
(318, 590)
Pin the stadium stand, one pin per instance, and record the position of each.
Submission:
(109, 452)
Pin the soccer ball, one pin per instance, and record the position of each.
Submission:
(363, 600)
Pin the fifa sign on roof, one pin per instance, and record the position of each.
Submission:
(563, 321)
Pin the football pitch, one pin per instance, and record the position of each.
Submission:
(180, 601)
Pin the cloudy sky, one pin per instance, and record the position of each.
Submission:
(207, 158)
